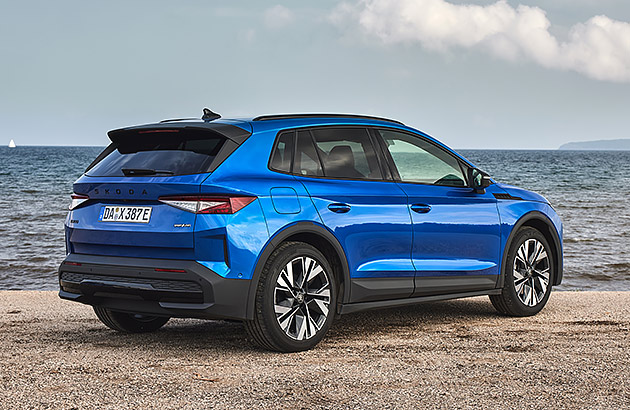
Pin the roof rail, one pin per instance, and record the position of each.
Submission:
(292, 116)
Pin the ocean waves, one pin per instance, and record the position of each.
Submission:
(588, 190)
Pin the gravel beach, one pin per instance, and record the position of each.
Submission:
(454, 354)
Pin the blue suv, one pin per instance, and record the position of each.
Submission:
(285, 222)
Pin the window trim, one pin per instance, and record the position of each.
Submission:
(386, 171)
(382, 164)
(319, 157)
(314, 145)
(396, 174)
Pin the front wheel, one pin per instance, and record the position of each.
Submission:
(529, 273)
(129, 322)
(295, 299)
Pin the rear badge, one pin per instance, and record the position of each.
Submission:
(181, 226)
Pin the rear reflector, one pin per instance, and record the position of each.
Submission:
(77, 199)
(72, 263)
(170, 270)
(206, 204)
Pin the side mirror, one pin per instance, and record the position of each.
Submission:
(479, 180)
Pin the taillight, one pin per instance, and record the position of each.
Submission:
(77, 200)
(205, 204)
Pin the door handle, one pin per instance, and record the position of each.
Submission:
(421, 208)
(339, 208)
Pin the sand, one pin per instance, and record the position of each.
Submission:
(455, 354)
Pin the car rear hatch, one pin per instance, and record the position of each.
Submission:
(118, 206)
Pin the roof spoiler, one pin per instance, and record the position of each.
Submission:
(229, 131)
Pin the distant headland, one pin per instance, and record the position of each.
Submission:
(601, 145)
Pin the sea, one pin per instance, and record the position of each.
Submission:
(589, 189)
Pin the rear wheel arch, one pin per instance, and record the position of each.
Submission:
(543, 224)
(312, 234)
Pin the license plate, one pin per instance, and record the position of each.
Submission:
(138, 214)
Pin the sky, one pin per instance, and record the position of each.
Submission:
(477, 74)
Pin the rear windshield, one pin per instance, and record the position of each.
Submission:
(160, 153)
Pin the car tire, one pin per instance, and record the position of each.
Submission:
(528, 275)
(295, 299)
(129, 322)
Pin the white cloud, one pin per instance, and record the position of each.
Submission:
(277, 16)
(598, 48)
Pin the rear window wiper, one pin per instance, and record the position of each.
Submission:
(145, 171)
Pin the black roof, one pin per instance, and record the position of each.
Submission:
(294, 116)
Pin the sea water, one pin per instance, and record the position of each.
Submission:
(589, 189)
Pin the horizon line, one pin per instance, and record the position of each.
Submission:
(455, 149)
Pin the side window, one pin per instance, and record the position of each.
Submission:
(346, 153)
(306, 160)
(418, 160)
(282, 155)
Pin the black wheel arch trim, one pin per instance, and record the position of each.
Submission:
(285, 233)
(555, 242)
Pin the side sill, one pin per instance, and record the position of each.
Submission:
(358, 307)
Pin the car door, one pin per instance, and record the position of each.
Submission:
(366, 210)
(456, 231)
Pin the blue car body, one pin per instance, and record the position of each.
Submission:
(386, 245)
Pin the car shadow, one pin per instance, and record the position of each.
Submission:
(193, 335)
(423, 315)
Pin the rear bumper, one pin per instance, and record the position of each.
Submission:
(134, 285)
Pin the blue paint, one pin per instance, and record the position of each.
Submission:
(285, 200)
(463, 234)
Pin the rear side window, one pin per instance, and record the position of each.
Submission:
(347, 153)
(283, 152)
(160, 153)
(306, 160)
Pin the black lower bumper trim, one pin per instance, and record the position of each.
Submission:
(177, 288)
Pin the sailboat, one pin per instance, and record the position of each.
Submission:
(11, 144)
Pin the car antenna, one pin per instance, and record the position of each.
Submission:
(208, 115)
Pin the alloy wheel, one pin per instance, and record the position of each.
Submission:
(531, 272)
(302, 298)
